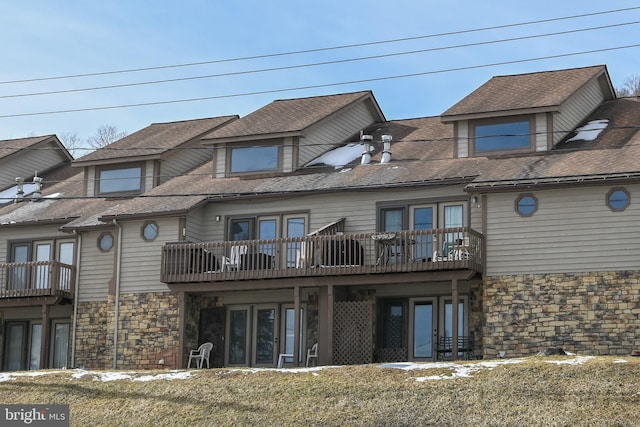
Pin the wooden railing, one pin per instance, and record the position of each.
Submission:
(323, 255)
(37, 278)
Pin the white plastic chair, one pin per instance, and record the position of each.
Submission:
(233, 260)
(312, 353)
(200, 355)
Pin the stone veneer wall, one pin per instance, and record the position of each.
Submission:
(94, 335)
(148, 332)
(594, 313)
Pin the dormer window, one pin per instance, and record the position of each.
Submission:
(502, 135)
(261, 158)
(120, 180)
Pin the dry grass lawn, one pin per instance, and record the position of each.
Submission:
(602, 391)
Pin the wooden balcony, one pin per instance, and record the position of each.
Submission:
(36, 279)
(323, 255)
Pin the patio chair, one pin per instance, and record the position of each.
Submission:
(312, 353)
(200, 355)
(233, 260)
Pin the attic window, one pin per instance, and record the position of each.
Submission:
(254, 159)
(526, 204)
(503, 135)
(618, 199)
(120, 180)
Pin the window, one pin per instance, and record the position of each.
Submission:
(618, 199)
(254, 159)
(105, 242)
(490, 136)
(149, 231)
(120, 180)
(526, 204)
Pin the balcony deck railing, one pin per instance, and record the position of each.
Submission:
(36, 278)
(323, 255)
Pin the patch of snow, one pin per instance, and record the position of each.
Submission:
(458, 370)
(173, 375)
(579, 360)
(590, 131)
(133, 376)
(6, 376)
(620, 361)
(52, 196)
(340, 156)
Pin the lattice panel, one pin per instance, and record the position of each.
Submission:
(352, 337)
(391, 354)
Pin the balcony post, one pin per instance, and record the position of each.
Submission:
(44, 337)
(296, 326)
(454, 314)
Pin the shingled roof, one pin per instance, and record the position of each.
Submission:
(533, 91)
(13, 146)
(154, 140)
(289, 116)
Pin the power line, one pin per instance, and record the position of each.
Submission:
(305, 51)
(316, 64)
(325, 85)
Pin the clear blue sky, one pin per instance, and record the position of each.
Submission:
(43, 38)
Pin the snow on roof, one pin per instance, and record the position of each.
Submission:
(590, 131)
(340, 156)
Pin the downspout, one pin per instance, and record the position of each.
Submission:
(117, 297)
(76, 292)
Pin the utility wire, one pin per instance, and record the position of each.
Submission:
(305, 51)
(316, 64)
(325, 85)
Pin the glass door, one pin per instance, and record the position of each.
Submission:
(43, 252)
(60, 340)
(422, 328)
(237, 344)
(295, 226)
(422, 218)
(65, 256)
(252, 335)
(288, 333)
(265, 337)
(36, 346)
(15, 347)
(19, 274)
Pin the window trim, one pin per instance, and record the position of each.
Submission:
(144, 227)
(615, 190)
(268, 143)
(100, 169)
(497, 121)
(516, 204)
(99, 241)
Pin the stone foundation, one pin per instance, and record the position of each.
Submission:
(148, 332)
(587, 313)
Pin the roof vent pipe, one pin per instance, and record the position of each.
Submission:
(19, 190)
(366, 153)
(37, 182)
(386, 151)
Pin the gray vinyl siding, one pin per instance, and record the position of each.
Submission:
(96, 268)
(25, 163)
(359, 208)
(140, 263)
(334, 131)
(574, 111)
(463, 138)
(184, 159)
(572, 231)
(541, 132)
